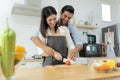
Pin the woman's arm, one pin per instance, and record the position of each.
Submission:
(48, 50)
(43, 49)
(38, 41)
(56, 55)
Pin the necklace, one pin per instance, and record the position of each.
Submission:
(52, 32)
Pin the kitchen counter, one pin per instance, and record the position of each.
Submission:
(63, 72)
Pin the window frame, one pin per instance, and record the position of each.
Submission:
(109, 16)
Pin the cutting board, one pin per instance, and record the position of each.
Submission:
(58, 67)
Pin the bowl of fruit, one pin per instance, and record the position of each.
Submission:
(103, 65)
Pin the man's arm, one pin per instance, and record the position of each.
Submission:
(78, 48)
(75, 37)
(77, 41)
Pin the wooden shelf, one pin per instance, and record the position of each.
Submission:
(86, 26)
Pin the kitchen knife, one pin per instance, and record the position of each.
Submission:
(71, 61)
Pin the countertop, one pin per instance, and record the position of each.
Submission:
(63, 72)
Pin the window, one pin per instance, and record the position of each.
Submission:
(106, 12)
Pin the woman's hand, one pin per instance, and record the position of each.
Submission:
(48, 50)
(57, 55)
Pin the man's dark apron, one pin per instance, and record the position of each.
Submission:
(59, 44)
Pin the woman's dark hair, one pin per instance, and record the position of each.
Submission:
(46, 12)
(68, 8)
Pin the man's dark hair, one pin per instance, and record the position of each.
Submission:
(68, 8)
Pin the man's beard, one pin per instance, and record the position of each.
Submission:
(60, 22)
(64, 24)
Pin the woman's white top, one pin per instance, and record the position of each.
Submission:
(64, 31)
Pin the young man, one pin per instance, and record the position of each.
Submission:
(66, 14)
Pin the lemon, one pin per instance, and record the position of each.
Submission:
(111, 63)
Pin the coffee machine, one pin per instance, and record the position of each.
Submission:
(91, 49)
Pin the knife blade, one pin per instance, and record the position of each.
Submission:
(71, 61)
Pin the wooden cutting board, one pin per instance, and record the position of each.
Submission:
(58, 67)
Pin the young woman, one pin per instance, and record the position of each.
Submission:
(54, 36)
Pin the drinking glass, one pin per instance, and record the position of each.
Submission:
(0, 67)
(9, 61)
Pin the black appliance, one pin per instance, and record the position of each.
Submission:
(91, 39)
(91, 49)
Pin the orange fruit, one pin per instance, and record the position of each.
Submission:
(19, 49)
(103, 67)
(19, 52)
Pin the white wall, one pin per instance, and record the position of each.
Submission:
(86, 8)
(119, 14)
(26, 25)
